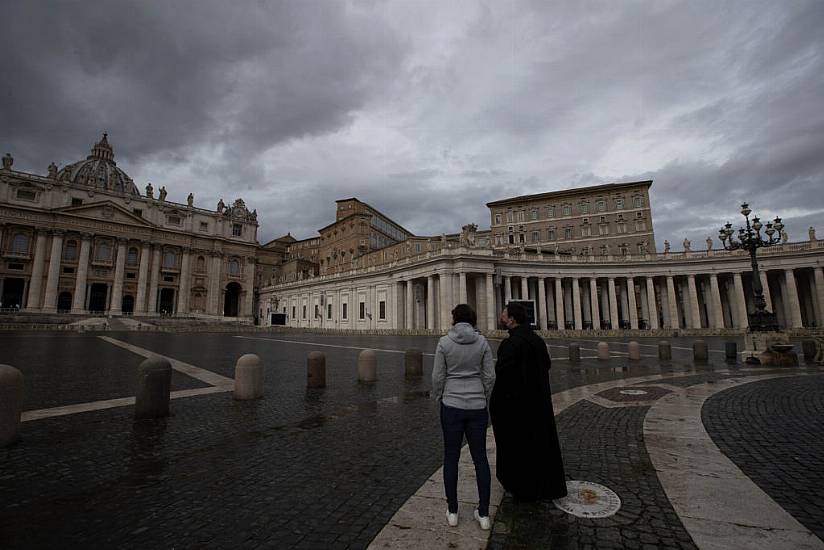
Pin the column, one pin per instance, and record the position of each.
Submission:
(792, 299)
(613, 304)
(524, 288)
(633, 305)
(491, 314)
(559, 303)
(117, 286)
(33, 301)
(819, 291)
(79, 296)
(185, 286)
(50, 301)
(672, 303)
(715, 302)
(765, 286)
(215, 307)
(576, 304)
(430, 302)
(695, 313)
(154, 280)
(142, 273)
(652, 310)
(740, 301)
(542, 314)
(593, 302)
(550, 311)
(445, 286)
(410, 304)
(507, 290)
(462, 296)
(249, 301)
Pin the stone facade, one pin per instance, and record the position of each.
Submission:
(83, 239)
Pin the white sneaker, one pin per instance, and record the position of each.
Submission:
(483, 521)
(452, 519)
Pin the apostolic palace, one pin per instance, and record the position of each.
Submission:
(85, 240)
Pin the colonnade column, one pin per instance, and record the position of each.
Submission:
(576, 304)
(116, 305)
(79, 296)
(765, 288)
(613, 305)
(491, 312)
(143, 271)
(715, 300)
(819, 291)
(410, 305)
(651, 305)
(185, 282)
(154, 280)
(740, 301)
(50, 301)
(593, 302)
(215, 307)
(542, 314)
(524, 288)
(559, 303)
(462, 295)
(672, 303)
(507, 290)
(695, 314)
(430, 302)
(792, 299)
(633, 305)
(36, 283)
(445, 291)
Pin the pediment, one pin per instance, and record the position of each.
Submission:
(107, 211)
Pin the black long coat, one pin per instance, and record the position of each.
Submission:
(528, 460)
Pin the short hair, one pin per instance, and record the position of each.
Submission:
(463, 313)
(517, 312)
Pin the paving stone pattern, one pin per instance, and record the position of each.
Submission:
(605, 446)
(773, 430)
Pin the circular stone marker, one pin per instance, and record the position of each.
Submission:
(634, 392)
(586, 499)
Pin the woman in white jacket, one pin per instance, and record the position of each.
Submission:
(462, 381)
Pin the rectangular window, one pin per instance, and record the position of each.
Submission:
(381, 310)
(304, 312)
(568, 233)
(567, 210)
(619, 204)
(168, 279)
(497, 219)
(137, 212)
(509, 216)
(638, 201)
(584, 208)
(535, 236)
(16, 267)
(317, 311)
(622, 228)
(603, 229)
(131, 275)
(521, 237)
(344, 313)
(68, 270)
(511, 238)
(550, 211)
(417, 247)
(204, 226)
(237, 230)
(550, 234)
(26, 195)
(77, 202)
(521, 216)
(328, 311)
(534, 214)
(293, 312)
(601, 205)
(361, 311)
(586, 231)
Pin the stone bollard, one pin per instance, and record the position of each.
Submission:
(315, 370)
(413, 363)
(248, 377)
(574, 353)
(367, 366)
(154, 380)
(664, 350)
(809, 349)
(634, 349)
(11, 403)
(603, 351)
(699, 351)
(731, 352)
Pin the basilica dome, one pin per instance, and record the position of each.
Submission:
(99, 171)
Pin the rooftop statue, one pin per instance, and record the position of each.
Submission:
(52, 171)
(687, 245)
(7, 161)
(163, 193)
(190, 200)
(150, 191)
(811, 231)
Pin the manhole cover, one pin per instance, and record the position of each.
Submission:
(633, 392)
(586, 499)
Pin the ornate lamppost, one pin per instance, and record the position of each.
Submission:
(750, 239)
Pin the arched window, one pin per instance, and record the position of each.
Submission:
(234, 267)
(131, 256)
(169, 259)
(201, 264)
(70, 251)
(20, 244)
(103, 251)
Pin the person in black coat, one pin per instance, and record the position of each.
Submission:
(528, 459)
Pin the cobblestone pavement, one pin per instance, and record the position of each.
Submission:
(297, 469)
(774, 431)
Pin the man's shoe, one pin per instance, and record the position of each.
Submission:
(483, 521)
(452, 518)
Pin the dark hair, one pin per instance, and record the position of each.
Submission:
(517, 312)
(463, 313)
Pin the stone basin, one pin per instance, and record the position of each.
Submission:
(781, 348)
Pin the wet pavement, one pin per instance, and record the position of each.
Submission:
(329, 468)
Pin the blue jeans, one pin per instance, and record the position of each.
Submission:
(472, 423)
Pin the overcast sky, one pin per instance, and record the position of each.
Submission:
(429, 109)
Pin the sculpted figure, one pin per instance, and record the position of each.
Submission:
(150, 191)
(220, 206)
(687, 245)
(190, 200)
(666, 247)
(163, 193)
(811, 231)
(784, 237)
(7, 161)
(53, 171)
(709, 243)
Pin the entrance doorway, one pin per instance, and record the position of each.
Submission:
(64, 302)
(13, 293)
(97, 297)
(231, 300)
(167, 301)
(128, 304)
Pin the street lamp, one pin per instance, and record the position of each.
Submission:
(750, 239)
